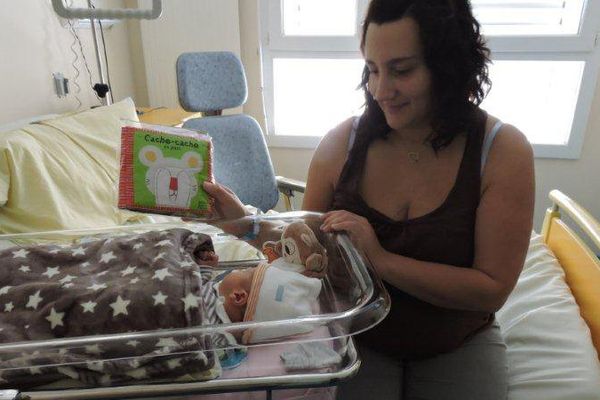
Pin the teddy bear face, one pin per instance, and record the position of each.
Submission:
(290, 251)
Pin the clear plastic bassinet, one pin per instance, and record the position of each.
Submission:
(129, 311)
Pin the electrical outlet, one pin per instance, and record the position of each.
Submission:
(61, 84)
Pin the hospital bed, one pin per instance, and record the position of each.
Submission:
(60, 174)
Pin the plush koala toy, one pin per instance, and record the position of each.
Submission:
(298, 250)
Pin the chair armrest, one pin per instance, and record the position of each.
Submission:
(287, 187)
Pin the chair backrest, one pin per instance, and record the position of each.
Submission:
(209, 82)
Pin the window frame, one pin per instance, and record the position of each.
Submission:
(583, 46)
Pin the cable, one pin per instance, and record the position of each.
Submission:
(74, 65)
(85, 63)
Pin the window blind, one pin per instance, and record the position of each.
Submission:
(529, 17)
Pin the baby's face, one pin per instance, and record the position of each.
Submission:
(235, 289)
(236, 280)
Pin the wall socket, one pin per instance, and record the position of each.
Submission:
(61, 84)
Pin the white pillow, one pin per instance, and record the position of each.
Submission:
(550, 351)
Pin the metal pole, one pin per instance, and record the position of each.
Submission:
(97, 49)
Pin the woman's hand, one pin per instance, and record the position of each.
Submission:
(227, 205)
(358, 228)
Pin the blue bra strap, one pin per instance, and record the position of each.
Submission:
(487, 143)
(353, 133)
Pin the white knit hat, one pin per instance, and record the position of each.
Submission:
(278, 295)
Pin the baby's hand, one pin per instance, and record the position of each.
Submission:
(209, 258)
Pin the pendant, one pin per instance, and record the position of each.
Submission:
(413, 156)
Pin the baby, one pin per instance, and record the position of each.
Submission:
(263, 293)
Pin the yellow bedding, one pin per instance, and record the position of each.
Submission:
(66, 169)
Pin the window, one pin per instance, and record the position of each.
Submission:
(545, 66)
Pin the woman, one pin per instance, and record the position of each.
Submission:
(439, 196)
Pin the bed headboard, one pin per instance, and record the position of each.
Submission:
(580, 263)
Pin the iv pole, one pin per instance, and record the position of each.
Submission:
(93, 14)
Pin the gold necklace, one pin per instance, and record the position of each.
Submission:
(413, 156)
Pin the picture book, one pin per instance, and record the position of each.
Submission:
(163, 169)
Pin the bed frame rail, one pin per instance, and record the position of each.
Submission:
(580, 262)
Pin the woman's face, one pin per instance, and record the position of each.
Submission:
(399, 80)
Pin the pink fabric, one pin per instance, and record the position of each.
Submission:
(266, 361)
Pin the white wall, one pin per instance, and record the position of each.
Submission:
(185, 25)
(34, 44)
(580, 178)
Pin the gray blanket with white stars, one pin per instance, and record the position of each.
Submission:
(127, 284)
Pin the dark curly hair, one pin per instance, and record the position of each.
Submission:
(455, 53)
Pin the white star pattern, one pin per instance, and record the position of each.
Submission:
(120, 306)
(78, 251)
(67, 279)
(159, 256)
(166, 342)
(133, 343)
(134, 280)
(102, 273)
(134, 363)
(4, 290)
(137, 246)
(85, 264)
(51, 271)
(172, 364)
(8, 307)
(190, 301)
(186, 264)
(55, 318)
(97, 286)
(105, 380)
(128, 270)
(34, 300)
(89, 306)
(54, 251)
(165, 242)
(35, 371)
(68, 285)
(21, 253)
(106, 257)
(25, 268)
(68, 371)
(159, 298)
(95, 365)
(93, 349)
(161, 274)
(138, 373)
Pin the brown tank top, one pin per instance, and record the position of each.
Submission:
(414, 328)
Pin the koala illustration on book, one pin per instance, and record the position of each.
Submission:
(171, 180)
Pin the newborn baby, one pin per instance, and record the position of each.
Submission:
(263, 293)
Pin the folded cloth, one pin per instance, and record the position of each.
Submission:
(311, 355)
(279, 295)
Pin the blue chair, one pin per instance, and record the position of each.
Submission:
(209, 82)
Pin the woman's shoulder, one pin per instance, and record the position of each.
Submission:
(510, 149)
(508, 138)
(335, 144)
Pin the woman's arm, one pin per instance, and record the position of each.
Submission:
(325, 168)
(502, 232)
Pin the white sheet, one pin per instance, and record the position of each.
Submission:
(550, 351)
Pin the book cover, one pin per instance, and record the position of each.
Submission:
(163, 168)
